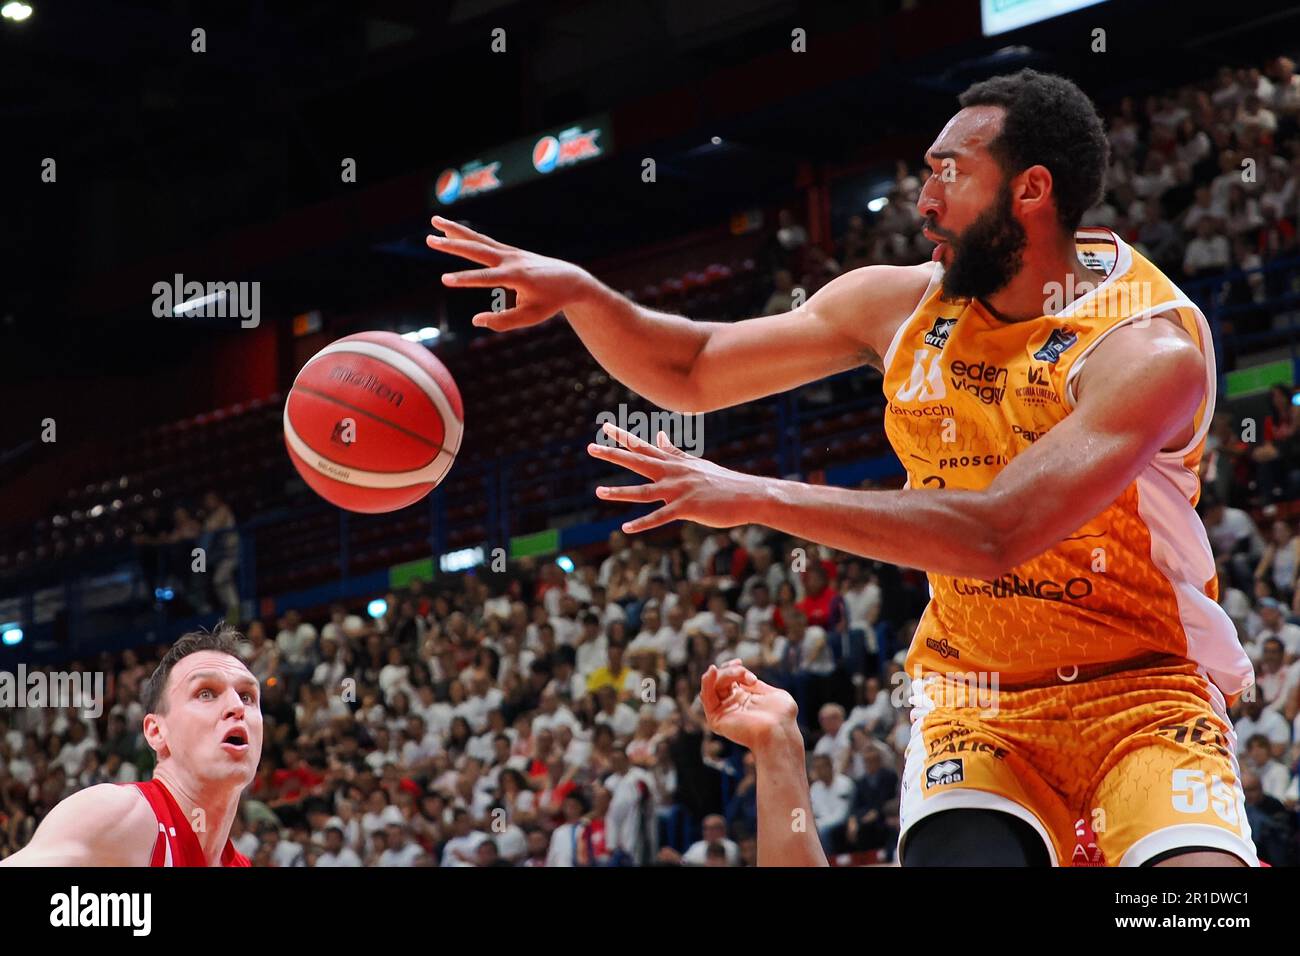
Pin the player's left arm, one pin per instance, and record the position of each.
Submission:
(1137, 394)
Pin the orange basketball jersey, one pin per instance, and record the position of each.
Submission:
(966, 393)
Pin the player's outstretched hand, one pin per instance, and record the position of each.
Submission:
(743, 708)
(691, 488)
(543, 286)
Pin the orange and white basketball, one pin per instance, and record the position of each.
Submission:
(373, 422)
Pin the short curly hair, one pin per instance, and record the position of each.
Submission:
(1048, 122)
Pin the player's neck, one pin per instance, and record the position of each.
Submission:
(212, 826)
(1045, 276)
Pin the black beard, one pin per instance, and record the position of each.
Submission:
(988, 254)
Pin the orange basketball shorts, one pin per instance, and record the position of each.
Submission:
(1111, 769)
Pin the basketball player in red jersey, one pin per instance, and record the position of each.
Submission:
(204, 722)
(1048, 391)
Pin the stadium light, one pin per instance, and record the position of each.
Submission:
(195, 304)
(377, 608)
(461, 560)
(877, 204)
(11, 634)
(426, 334)
(17, 12)
(565, 562)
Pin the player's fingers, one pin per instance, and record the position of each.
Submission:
(654, 519)
(628, 440)
(724, 685)
(650, 492)
(731, 673)
(453, 228)
(508, 319)
(663, 444)
(708, 689)
(631, 460)
(480, 278)
(473, 251)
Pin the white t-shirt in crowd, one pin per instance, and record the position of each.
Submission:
(246, 843)
(512, 844)
(755, 617)
(878, 713)
(623, 721)
(407, 855)
(625, 823)
(72, 756)
(859, 603)
(698, 854)
(1274, 778)
(563, 845)
(1235, 524)
(562, 715)
(475, 711)
(818, 661)
(329, 673)
(394, 678)
(1288, 634)
(591, 655)
(833, 745)
(466, 845)
(414, 752)
(345, 857)
(437, 716)
(566, 629)
(611, 612)
(1270, 723)
(288, 853)
(831, 801)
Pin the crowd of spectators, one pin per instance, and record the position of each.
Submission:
(168, 558)
(1204, 180)
(544, 717)
(533, 717)
(538, 717)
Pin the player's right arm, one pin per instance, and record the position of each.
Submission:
(761, 718)
(684, 365)
(104, 825)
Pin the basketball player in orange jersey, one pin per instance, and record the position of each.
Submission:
(1048, 391)
(204, 723)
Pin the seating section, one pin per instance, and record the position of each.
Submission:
(531, 397)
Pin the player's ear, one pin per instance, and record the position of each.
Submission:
(155, 734)
(1032, 189)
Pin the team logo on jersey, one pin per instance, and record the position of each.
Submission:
(944, 772)
(926, 381)
(1093, 261)
(986, 382)
(942, 648)
(1014, 586)
(1057, 344)
(939, 332)
(973, 461)
(1040, 391)
(1086, 852)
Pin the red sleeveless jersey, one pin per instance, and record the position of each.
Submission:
(177, 845)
